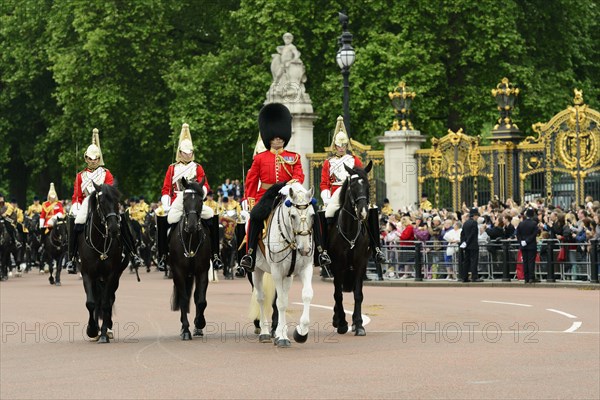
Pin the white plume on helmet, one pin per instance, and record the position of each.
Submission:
(93, 151)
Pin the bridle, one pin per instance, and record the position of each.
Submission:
(103, 224)
(353, 204)
(60, 243)
(183, 226)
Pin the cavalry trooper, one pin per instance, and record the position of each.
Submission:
(8, 215)
(35, 208)
(172, 198)
(51, 210)
(333, 176)
(269, 167)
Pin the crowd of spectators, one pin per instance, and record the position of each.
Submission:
(439, 231)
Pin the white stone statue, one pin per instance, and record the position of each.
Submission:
(289, 74)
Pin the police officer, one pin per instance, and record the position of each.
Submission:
(527, 232)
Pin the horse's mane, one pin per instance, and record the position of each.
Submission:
(112, 195)
(195, 186)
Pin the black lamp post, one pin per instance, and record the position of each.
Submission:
(345, 58)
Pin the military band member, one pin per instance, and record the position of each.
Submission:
(35, 208)
(210, 201)
(8, 215)
(172, 198)
(333, 176)
(276, 165)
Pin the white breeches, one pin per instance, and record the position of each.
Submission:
(83, 211)
(333, 205)
(176, 211)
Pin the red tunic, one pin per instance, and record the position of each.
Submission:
(100, 175)
(269, 168)
(50, 209)
(183, 170)
(333, 172)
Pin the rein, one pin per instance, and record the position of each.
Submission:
(353, 214)
(187, 252)
(93, 227)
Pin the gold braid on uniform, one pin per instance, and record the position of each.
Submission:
(282, 161)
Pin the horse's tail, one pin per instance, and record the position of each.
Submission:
(349, 280)
(175, 299)
(269, 290)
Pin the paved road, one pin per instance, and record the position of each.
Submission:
(422, 342)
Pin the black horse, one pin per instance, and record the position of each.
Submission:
(5, 246)
(189, 259)
(34, 248)
(349, 247)
(100, 250)
(9, 250)
(55, 245)
(148, 246)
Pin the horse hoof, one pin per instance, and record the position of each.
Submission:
(51, 279)
(298, 338)
(57, 283)
(198, 332)
(186, 336)
(266, 338)
(360, 332)
(110, 334)
(94, 339)
(256, 330)
(334, 323)
(103, 339)
(92, 333)
(342, 329)
(284, 343)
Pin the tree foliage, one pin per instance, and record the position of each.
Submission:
(138, 69)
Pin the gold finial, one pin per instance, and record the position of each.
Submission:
(578, 100)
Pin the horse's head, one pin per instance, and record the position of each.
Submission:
(302, 214)
(106, 201)
(60, 231)
(193, 198)
(357, 190)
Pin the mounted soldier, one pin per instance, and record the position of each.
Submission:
(51, 210)
(172, 198)
(270, 167)
(333, 176)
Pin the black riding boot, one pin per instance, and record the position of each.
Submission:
(319, 233)
(73, 250)
(249, 260)
(213, 226)
(374, 237)
(129, 243)
(162, 226)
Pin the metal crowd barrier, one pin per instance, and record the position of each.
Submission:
(497, 261)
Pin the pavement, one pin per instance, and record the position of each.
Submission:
(425, 340)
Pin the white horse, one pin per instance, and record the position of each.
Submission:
(288, 253)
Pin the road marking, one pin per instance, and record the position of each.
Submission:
(576, 325)
(561, 313)
(503, 302)
(365, 319)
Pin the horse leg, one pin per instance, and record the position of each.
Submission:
(181, 301)
(200, 301)
(282, 284)
(107, 302)
(357, 321)
(301, 331)
(257, 277)
(90, 304)
(51, 272)
(339, 317)
(59, 263)
(275, 317)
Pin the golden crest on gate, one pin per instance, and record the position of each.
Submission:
(570, 154)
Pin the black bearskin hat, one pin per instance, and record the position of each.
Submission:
(275, 120)
(529, 213)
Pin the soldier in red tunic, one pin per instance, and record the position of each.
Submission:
(51, 209)
(333, 176)
(93, 173)
(172, 198)
(276, 165)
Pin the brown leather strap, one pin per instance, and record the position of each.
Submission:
(265, 186)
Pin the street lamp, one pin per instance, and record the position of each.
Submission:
(345, 58)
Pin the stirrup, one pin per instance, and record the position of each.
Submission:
(380, 257)
(162, 264)
(324, 259)
(18, 244)
(217, 263)
(246, 263)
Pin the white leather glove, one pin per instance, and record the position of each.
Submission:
(326, 196)
(523, 243)
(42, 221)
(75, 209)
(245, 205)
(166, 202)
(244, 215)
(463, 245)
